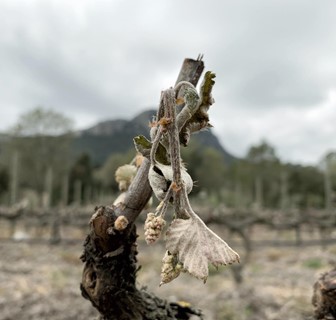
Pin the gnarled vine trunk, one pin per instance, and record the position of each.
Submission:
(109, 275)
(324, 298)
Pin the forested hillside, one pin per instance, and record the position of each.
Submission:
(37, 158)
(116, 136)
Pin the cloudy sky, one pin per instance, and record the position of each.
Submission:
(275, 62)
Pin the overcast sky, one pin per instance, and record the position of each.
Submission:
(275, 62)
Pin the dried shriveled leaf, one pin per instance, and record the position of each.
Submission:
(171, 268)
(196, 246)
(161, 176)
(200, 117)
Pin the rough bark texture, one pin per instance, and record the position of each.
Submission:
(324, 298)
(191, 70)
(109, 274)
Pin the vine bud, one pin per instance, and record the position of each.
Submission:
(121, 223)
(124, 176)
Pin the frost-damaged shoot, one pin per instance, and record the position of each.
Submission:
(190, 244)
(110, 250)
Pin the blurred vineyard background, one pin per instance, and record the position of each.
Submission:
(280, 216)
(46, 164)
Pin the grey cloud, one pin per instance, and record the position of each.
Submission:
(277, 84)
(277, 58)
(109, 59)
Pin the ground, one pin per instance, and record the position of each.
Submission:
(41, 281)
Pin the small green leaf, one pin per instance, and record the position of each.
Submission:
(143, 145)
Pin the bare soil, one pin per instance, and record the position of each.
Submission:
(41, 281)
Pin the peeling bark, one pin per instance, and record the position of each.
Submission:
(324, 298)
(109, 275)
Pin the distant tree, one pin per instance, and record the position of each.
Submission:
(305, 185)
(241, 180)
(265, 170)
(41, 138)
(4, 180)
(42, 122)
(328, 165)
(211, 171)
(262, 153)
(82, 169)
(82, 172)
(207, 167)
(192, 157)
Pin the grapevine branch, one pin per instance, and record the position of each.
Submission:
(110, 250)
(109, 257)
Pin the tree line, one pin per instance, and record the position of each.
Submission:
(37, 163)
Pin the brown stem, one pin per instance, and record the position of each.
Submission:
(174, 143)
(137, 195)
(163, 206)
(155, 145)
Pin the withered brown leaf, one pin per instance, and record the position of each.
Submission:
(196, 246)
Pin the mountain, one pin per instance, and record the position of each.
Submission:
(116, 136)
